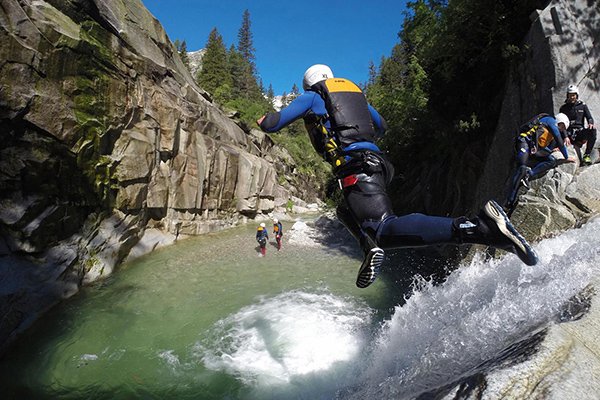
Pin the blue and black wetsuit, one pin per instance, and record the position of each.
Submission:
(534, 154)
(262, 235)
(343, 128)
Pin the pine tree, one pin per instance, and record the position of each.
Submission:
(295, 92)
(182, 50)
(214, 77)
(245, 46)
(247, 85)
(178, 46)
(236, 68)
(372, 73)
(270, 94)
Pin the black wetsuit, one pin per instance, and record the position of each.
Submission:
(578, 112)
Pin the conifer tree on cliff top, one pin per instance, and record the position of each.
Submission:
(214, 76)
(248, 85)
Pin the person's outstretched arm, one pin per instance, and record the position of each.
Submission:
(274, 121)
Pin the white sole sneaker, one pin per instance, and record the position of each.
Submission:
(522, 249)
(370, 267)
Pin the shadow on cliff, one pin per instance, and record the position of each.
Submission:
(588, 24)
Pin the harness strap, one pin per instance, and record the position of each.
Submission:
(530, 132)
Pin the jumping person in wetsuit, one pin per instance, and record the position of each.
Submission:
(534, 145)
(262, 235)
(278, 232)
(343, 128)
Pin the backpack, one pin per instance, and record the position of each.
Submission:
(535, 131)
(532, 125)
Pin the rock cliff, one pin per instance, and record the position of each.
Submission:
(108, 143)
(562, 48)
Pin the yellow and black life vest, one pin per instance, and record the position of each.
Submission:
(348, 110)
(536, 132)
(322, 140)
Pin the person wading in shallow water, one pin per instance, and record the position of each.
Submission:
(343, 128)
(278, 232)
(262, 235)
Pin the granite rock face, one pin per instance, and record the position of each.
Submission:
(562, 48)
(105, 134)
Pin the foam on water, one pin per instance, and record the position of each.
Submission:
(171, 359)
(286, 336)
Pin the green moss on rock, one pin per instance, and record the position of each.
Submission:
(92, 108)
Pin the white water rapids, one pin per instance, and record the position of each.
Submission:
(317, 345)
(209, 319)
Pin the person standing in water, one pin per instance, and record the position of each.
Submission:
(278, 232)
(262, 235)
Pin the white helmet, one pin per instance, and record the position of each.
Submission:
(560, 117)
(573, 89)
(262, 225)
(316, 73)
(275, 220)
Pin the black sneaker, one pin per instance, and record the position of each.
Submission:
(525, 176)
(370, 267)
(497, 220)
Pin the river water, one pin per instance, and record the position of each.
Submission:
(207, 318)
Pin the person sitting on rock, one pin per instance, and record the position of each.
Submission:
(343, 129)
(578, 113)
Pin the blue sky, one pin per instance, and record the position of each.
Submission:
(290, 36)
